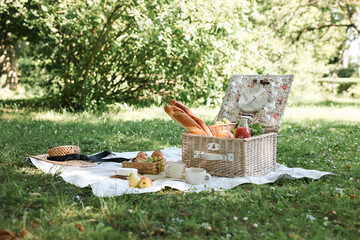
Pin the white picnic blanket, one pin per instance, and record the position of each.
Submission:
(98, 177)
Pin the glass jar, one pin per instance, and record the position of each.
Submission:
(243, 130)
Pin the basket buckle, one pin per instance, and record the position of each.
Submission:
(212, 156)
(213, 146)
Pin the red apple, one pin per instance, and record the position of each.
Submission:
(145, 182)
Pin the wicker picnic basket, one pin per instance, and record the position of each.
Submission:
(254, 156)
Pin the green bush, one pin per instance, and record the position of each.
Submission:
(346, 72)
(354, 91)
(101, 52)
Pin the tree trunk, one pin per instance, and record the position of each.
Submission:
(12, 76)
(3, 54)
(11, 68)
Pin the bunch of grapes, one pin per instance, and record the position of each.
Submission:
(160, 162)
(149, 160)
(152, 159)
(161, 165)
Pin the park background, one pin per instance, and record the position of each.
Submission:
(84, 55)
(97, 74)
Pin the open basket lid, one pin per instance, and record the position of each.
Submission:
(263, 96)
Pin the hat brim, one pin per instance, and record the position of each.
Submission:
(74, 163)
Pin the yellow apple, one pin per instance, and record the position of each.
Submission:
(133, 179)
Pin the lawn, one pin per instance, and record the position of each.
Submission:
(318, 136)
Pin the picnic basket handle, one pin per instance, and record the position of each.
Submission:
(214, 156)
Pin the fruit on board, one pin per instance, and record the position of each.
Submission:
(133, 180)
(145, 182)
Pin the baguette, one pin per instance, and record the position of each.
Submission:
(179, 116)
(201, 123)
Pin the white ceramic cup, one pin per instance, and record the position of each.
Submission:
(196, 176)
(174, 169)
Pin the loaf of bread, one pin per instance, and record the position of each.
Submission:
(179, 116)
(201, 123)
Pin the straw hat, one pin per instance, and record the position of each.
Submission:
(63, 151)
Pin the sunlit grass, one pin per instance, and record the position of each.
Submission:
(292, 113)
(327, 113)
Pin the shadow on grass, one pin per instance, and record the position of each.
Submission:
(53, 103)
(30, 190)
(31, 103)
(23, 137)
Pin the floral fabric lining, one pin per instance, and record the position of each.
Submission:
(270, 115)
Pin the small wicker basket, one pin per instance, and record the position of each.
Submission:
(143, 168)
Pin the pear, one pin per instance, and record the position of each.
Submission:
(145, 182)
(133, 179)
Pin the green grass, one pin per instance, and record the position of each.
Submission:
(319, 136)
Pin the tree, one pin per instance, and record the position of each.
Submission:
(326, 24)
(15, 29)
(312, 34)
(9, 63)
(139, 50)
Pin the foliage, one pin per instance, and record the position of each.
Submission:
(43, 206)
(347, 72)
(90, 53)
(255, 129)
(354, 91)
(352, 71)
(346, 87)
(116, 50)
(313, 33)
(14, 30)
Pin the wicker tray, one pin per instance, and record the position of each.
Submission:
(143, 168)
(230, 157)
